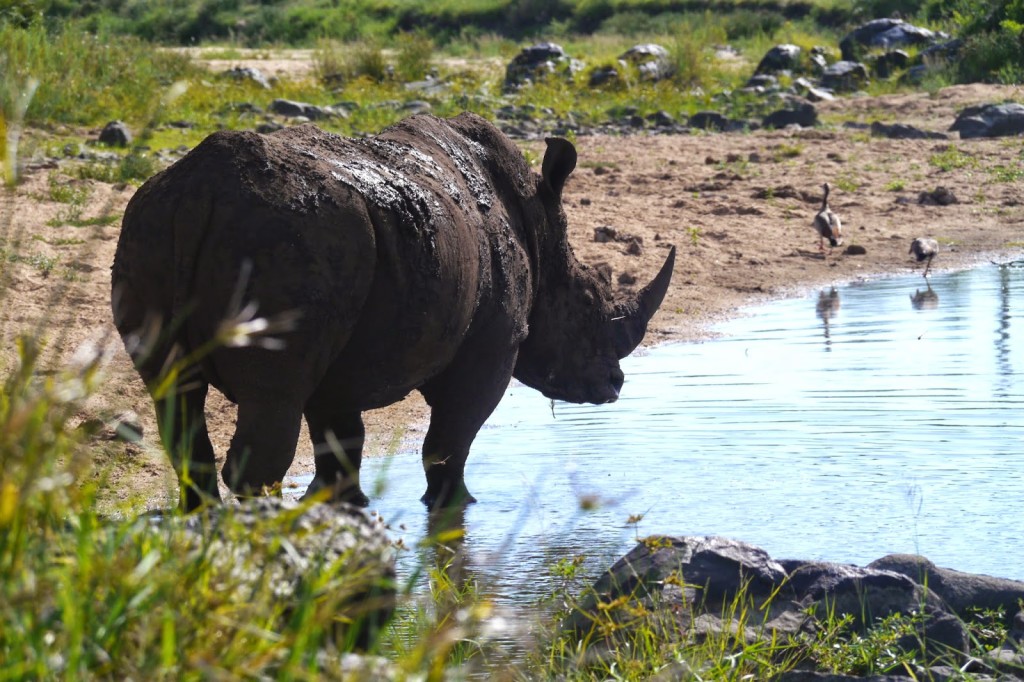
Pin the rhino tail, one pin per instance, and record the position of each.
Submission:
(152, 279)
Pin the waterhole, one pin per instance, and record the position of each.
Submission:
(880, 417)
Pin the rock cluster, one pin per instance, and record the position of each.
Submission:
(278, 542)
(699, 587)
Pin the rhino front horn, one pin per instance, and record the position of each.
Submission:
(631, 317)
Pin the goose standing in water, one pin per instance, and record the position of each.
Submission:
(924, 248)
(827, 223)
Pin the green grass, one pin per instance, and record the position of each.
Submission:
(85, 595)
(84, 78)
(952, 158)
(1003, 173)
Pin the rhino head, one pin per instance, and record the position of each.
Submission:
(578, 332)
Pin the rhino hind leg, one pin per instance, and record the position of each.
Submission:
(182, 424)
(338, 437)
(263, 445)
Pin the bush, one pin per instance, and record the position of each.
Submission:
(415, 51)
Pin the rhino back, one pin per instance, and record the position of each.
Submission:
(386, 246)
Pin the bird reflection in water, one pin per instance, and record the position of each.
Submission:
(925, 300)
(827, 307)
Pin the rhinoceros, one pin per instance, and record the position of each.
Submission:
(429, 257)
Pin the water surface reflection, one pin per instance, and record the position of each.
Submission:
(902, 432)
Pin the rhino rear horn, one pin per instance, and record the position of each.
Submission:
(631, 317)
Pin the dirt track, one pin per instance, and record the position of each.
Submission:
(738, 207)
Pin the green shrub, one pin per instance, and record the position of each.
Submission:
(84, 79)
(413, 58)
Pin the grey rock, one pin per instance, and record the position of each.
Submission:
(661, 119)
(885, 65)
(126, 426)
(116, 134)
(428, 87)
(779, 58)
(268, 127)
(686, 584)
(805, 88)
(416, 106)
(819, 58)
(652, 61)
(885, 34)
(990, 120)
(603, 75)
(941, 53)
(248, 73)
(709, 120)
(764, 81)
(961, 591)
(845, 76)
(316, 535)
(537, 62)
(290, 109)
(902, 131)
(940, 196)
(871, 594)
(804, 115)
(704, 572)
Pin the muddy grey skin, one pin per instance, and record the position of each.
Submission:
(429, 257)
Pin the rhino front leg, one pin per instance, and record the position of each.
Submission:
(338, 437)
(461, 399)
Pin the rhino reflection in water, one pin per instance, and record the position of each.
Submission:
(429, 257)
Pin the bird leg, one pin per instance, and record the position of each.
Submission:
(928, 265)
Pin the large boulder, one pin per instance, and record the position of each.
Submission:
(990, 120)
(779, 58)
(291, 109)
(248, 74)
(686, 588)
(869, 595)
(116, 134)
(803, 115)
(651, 60)
(537, 62)
(845, 76)
(279, 542)
(903, 131)
(961, 591)
(885, 34)
(681, 577)
(887, 64)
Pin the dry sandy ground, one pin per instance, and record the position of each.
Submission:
(738, 207)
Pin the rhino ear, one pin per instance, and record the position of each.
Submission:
(559, 162)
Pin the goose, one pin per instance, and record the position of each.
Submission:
(827, 223)
(924, 248)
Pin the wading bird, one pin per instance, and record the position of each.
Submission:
(923, 249)
(827, 223)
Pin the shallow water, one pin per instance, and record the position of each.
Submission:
(842, 427)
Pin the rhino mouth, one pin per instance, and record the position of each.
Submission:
(600, 391)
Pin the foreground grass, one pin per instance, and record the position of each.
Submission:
(85, 596)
